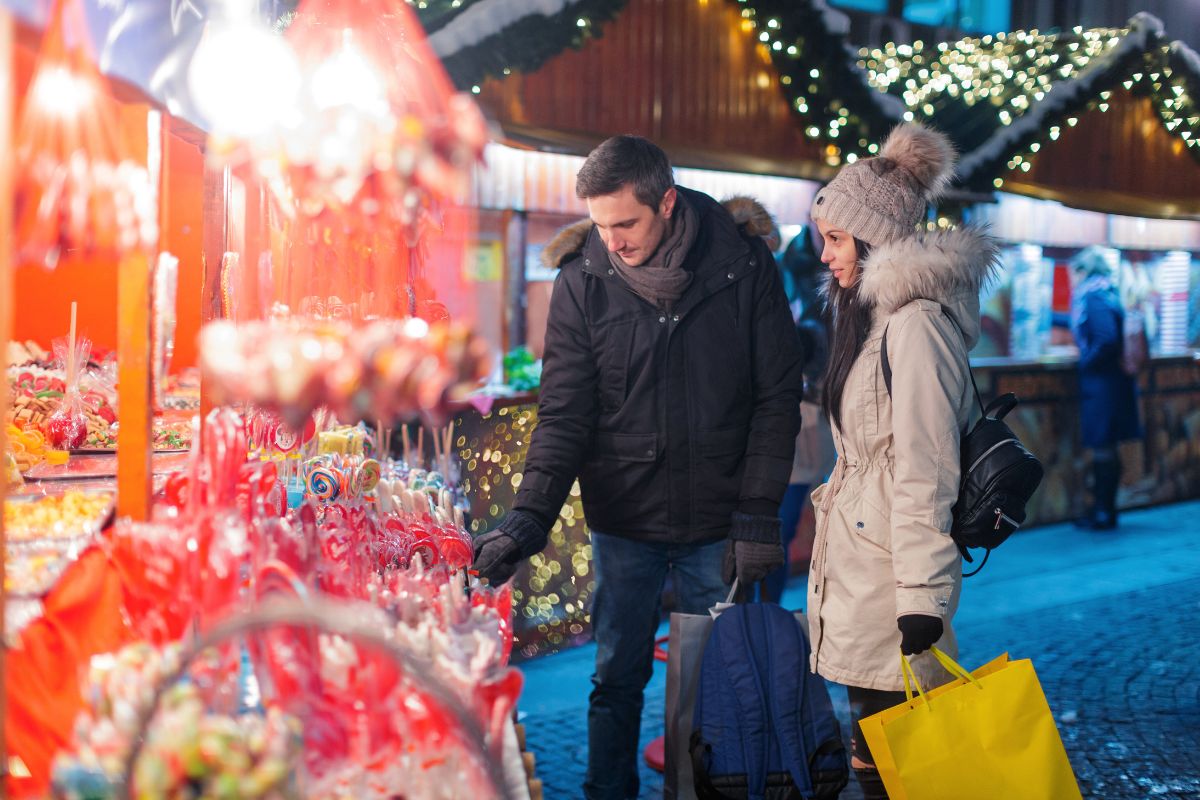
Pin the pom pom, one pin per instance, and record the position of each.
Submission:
(927, 154)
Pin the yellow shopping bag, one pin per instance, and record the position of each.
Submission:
(987, 734)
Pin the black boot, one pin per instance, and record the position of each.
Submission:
(1106, 477)
(871, 784)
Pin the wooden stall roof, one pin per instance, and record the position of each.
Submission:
(755, 86)
(690, 75)
(1120, 161)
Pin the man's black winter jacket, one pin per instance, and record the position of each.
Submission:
(672, 421)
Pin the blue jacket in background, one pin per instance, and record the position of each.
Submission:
(1107, 395)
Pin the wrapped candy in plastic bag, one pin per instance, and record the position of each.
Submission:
(66, 428)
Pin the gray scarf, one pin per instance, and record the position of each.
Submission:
(662, 280)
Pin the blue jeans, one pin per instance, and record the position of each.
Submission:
(625, 615)
(789, 516)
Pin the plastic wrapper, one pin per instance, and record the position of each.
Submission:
(66, 428)
(75, 188)
(383, 370)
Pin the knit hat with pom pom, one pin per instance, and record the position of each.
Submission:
(877, 200)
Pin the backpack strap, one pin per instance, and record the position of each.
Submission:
(887, 367)
(786, 703)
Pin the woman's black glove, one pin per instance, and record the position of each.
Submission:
(498, 553)
(918, 632)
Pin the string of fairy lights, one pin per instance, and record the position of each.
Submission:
(976, 85)
(509, 35)
(848, 100)
(972, 88)
(819, 78)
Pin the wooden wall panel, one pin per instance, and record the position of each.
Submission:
(1121, 161)
(685, 73)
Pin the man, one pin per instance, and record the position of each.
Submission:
(670, 387)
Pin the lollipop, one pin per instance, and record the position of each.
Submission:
(286, 439)
(352, 478)
(370, 472)
(323, 484)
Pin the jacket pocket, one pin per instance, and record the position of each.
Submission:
(872, 524)
(818, 494)
(613, 361)
(621, 482)
(718, 473)
(626, 447)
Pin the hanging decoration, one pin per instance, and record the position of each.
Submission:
(372, 130)
(76, 185)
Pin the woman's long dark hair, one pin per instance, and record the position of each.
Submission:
(851, 324)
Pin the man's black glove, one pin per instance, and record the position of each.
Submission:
(754, 550)
(918, 632)
(498, 553)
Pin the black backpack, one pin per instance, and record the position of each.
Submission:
(999, 475)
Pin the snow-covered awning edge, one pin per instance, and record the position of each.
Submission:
(1145, 32)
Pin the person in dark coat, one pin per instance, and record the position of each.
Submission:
(1107, 394)
(671, 389)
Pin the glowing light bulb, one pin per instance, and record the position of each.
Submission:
(244, 78)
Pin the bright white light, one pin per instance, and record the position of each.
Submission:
(244, 79)
(416, 328)
(62, 92)
(346, 78)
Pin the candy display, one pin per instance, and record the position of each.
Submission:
(33, 572)
(27, 448)
(70, 515)
(26, 352)
(190, 750)
(195, 753)
(36, 396)
(74, 187)
(382, 370)
(390, 677)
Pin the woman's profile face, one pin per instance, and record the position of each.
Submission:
(839, 253)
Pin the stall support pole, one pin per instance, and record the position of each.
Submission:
(516, 235)
(135, 304)
(133, 358)
(6, 328)
(215, 241)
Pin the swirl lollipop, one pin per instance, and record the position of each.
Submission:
(354, 480)
(324, 483)
(370, 471)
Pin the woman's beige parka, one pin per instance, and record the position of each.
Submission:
(883, 546)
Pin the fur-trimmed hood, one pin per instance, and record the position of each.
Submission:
(748, 214)
(948, 267)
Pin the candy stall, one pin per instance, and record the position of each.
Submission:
(236, 532)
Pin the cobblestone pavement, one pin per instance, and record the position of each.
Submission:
(1111, 621)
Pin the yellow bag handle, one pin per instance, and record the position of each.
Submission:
(952, 666)
(910, 680)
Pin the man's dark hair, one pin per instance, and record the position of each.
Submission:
(626, 160)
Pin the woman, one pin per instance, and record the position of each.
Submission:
(885, 575)
(814, 454)
(1107, 379)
